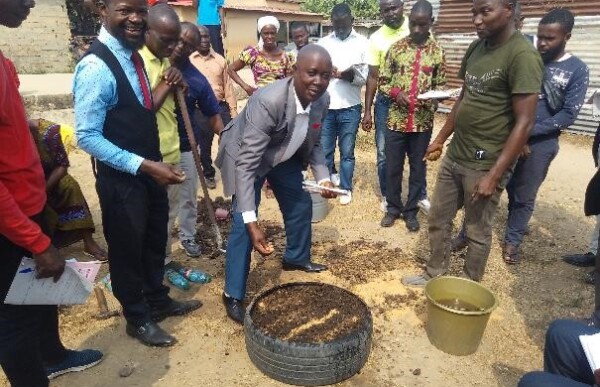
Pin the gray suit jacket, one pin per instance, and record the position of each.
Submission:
(256, 140)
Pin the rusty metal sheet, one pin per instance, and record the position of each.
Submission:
(455, 15)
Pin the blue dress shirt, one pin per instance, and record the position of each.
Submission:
(95, 93)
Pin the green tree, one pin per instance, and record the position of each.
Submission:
(361, 9)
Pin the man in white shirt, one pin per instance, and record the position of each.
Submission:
(348, 50)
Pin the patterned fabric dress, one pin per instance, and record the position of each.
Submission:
(66, 212)
(266, 71)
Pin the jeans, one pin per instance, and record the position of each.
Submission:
(398, 145)
(382, 108)
(341, 125)
(205, 140)
(29, 335)
(135, 213)
(453, 190)
(565, 363)
(296, 207)
(523, 186)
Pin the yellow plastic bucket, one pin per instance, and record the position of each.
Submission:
(458, 310)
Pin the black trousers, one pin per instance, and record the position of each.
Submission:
(398, 145)
(216, 41)
(29, 337)
(135, 212)
(206, 138)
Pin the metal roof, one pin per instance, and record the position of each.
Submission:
(268, 10)
(455, 15)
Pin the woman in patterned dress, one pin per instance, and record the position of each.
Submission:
(267, 61)
(66, 212)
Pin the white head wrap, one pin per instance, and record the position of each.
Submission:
(266, 21)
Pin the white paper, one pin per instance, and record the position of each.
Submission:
(591, 347)
(439, 94)
(73, 287)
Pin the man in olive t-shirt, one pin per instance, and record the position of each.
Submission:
(491, 121)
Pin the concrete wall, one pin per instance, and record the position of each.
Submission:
(41, 44)
(186, 14)
(287, 5)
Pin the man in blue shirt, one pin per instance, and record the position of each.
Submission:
(564, 87)
(210, 14)
(199, 96)
(116, 124)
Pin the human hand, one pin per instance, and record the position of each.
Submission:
(597, 376)
(250, 90)
(163, 174)
(484, 188)
(173, 77)
(433, 152)
(525, 152)
(402, 99)
(367, 121)
(328, 194)
(259, 240)
(49, 264)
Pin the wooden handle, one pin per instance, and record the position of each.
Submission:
(194, 145)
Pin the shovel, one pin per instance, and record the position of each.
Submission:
(190, 133)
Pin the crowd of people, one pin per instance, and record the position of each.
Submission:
(503, 132)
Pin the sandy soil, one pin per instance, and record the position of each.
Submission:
(369, 261)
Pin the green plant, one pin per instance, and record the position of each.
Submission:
(361, 9)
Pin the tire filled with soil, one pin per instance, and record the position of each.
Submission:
(308, 333)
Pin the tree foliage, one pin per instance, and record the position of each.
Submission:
(361, 9)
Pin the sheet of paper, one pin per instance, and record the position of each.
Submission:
(439, 94)
(591, 347)
(74, 286)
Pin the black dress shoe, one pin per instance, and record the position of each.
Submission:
(150, 334)
(175, 308)
(581, 260)
(309, 267)
(235, 309)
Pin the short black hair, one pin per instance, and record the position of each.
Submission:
(422, 6)
(562, 16)
(297, 25)
(341, 10)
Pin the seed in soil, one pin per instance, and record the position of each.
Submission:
(459, 305)
(309, 313)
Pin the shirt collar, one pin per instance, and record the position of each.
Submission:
(353, 34)
(113, 43)
(211, 55)
(148, 54)
(299, 108)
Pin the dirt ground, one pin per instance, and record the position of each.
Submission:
(368, 260)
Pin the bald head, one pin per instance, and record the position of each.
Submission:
(164, 29)
(312, 52)
(312, 73)
(162, 15)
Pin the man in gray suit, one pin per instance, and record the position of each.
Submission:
(274, 137)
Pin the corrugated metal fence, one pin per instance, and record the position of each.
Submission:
(455, 32)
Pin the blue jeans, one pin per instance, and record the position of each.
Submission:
(523, 187)
(341, 124)
(295, 204)
(565, 363)
(382, 108)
